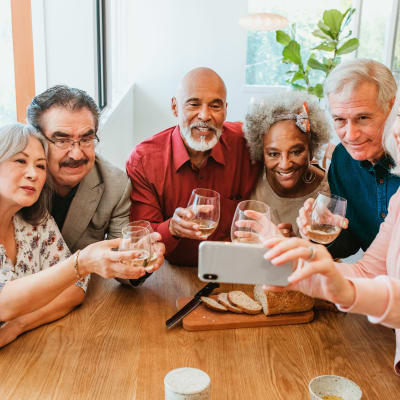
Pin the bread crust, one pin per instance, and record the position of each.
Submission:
(224, 300)
(244, 302)
(213, 304)
(287, 301)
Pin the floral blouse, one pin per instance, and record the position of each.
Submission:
(38, 247)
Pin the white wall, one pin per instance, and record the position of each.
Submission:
(67, 52)
(167, 39)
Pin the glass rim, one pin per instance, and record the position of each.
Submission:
(332, 196)
(253, 201)
(215, 193)
(134, 230)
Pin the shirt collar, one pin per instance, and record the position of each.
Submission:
(386, 162)
(180, 154)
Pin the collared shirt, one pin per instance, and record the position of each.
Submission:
(368, 189)
(163, 178)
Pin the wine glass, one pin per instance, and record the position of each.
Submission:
(205, 205)
(254, 229)
(153, 254)
(327, 213)
(136, 238)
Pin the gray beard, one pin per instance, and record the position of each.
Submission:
(200, 145)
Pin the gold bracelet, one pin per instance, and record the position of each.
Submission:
(76, 265)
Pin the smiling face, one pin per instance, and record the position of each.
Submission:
(68, 167)
(359, 121)
(23, 175)
(286, 156)
(201, 109)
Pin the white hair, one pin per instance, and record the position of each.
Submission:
(268, 110)
(389, 142)
(349, 75)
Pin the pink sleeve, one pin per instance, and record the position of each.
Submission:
(377, 298)
(373, 262)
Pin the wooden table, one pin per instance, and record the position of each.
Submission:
(116, 346)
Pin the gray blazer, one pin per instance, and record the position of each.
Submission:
(100, 207)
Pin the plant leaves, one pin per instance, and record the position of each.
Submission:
(325, 29)
(326, 46)
(319, 90)
(347, 16)
(298, 87)
(292, 53)
(333, 19)
(298, 75)
(348, 47)
(315, 64)
(282, 37)
(318, 33)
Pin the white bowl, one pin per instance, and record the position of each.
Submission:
(333, 385)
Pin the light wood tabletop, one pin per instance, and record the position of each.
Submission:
(116, 346)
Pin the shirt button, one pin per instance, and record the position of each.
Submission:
(381, 181)
(383, 215)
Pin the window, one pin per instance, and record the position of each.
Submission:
(8, 108)
(374, 23)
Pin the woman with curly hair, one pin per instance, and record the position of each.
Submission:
(287, 133)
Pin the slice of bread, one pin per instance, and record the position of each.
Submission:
(287, 301)
(213, 304)
(244, 302)
(223, 299)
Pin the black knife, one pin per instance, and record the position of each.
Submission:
(189, 307)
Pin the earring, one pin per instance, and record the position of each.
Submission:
(309, 177)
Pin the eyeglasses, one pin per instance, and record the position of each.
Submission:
(67, 144)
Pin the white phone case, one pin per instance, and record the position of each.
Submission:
(239, 263)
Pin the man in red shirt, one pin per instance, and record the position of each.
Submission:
(202, 151)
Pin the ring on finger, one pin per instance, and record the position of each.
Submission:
(312, 254)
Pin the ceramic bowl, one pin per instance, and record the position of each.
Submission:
(333, 385)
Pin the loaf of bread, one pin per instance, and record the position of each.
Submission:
(223, 299)
(244, 302)
(213, 304)
(288, 301)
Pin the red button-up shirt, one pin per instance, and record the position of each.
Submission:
(163, 178)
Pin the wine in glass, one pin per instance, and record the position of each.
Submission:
(136, 238)
(245, 229)
(153, 254)
(205, 206)
(327, 213)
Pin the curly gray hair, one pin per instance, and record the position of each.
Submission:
(269, 110)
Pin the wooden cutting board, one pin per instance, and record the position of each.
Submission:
(204, 319)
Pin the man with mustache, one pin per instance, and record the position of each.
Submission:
(202, 151)
(91, 200)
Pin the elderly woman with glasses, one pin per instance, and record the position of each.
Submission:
(32, 293)
(287, 132)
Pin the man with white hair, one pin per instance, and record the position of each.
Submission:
(360, 95)
(202, 151)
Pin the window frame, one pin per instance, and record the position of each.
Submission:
(24, 71)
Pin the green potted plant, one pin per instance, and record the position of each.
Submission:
(333, 34)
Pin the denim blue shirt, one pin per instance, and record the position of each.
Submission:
(368, 189)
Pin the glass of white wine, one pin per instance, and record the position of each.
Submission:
(136, 238)
(205, 205)
(245, 229)
(327, 213)
(153, 253)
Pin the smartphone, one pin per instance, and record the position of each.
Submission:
(239, 263)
